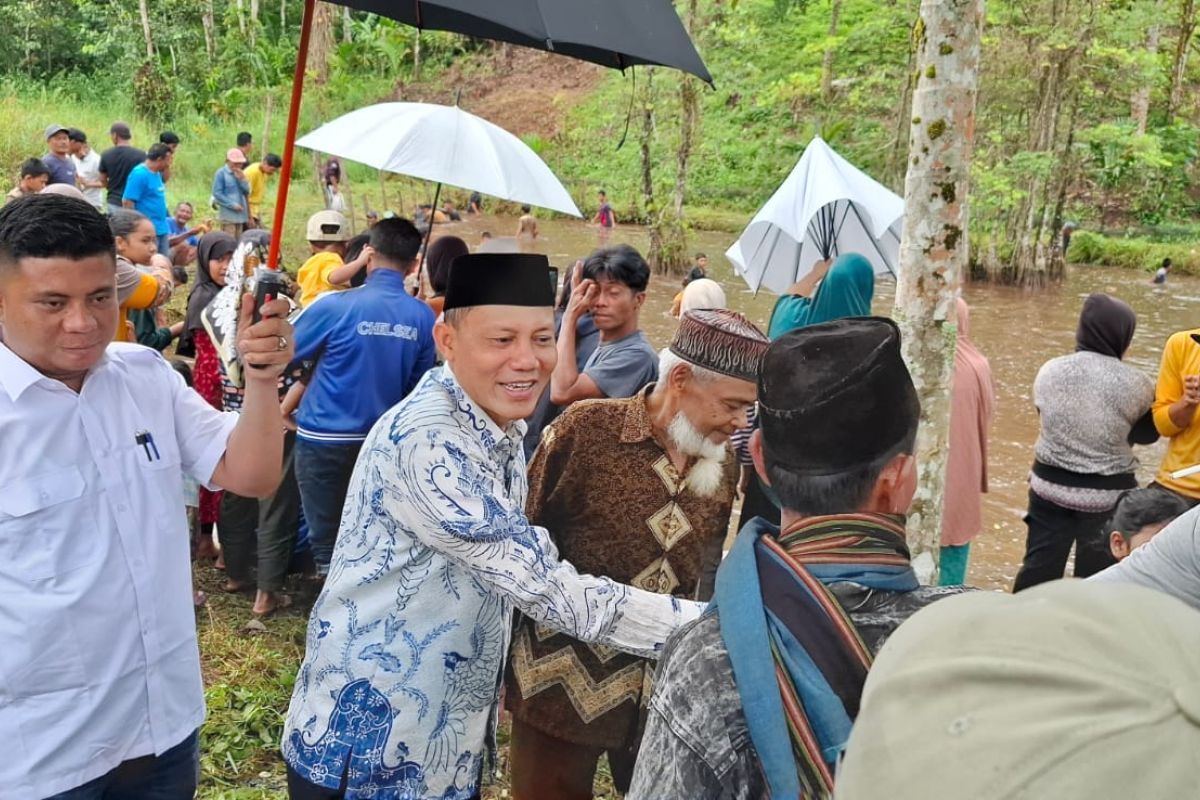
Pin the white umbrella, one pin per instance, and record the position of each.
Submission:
(443, 144)
(826, 207)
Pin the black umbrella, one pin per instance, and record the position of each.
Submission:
(611, 33)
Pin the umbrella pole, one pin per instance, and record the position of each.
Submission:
(432, 214)
(289, 142)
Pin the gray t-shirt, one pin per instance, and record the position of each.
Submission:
(623, 367)
(1088, 403)
(1170, 562)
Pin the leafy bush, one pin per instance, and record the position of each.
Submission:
(1140, 254)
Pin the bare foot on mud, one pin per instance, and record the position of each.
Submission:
(267, 603)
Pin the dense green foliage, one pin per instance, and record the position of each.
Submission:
(782, 73)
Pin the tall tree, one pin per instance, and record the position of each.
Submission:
(252, 24)
(144, 12)
(321, 43)
(835, 11)
(1139, 103)
(347, 25)
(933, 249)
(1187, 28)
(208, 22)
(646, 142)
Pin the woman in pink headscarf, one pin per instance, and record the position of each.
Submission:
(972, 404)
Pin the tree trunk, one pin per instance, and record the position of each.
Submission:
(282, 17)
(1187, 27)
(417, 55)
(252, 26)
(933, 249)
(1139, 104)
(835, 9)
(207, 19)
(654, 252)
(321, 44)
(240, 5)
(145, 15)
(893, 171)
(347, 25)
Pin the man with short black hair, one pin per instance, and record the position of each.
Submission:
(145, 193)
(184, 237)
(58, 159)
(257, 175)
(87, 168)
(118, 161)
(371, 346)
(170, 139)
(613, 290)
(34, 177)
(839, 415)
(103, 695)
(245, 143)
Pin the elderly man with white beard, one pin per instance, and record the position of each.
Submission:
(639, 490)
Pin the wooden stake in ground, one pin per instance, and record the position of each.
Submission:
(933, 249)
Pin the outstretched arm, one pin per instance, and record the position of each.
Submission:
(489, 535)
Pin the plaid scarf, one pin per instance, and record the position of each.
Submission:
(783, 626)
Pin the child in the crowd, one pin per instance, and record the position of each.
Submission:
(1160, 277)
(328, 232)
(1138, 516)
(34, 177)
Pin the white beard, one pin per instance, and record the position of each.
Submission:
(704, 478)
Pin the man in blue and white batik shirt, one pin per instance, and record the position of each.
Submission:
(396, 698)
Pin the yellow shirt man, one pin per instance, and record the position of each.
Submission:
(258, 187)
(1180, 365)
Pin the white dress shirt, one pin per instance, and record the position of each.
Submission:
(99, 662)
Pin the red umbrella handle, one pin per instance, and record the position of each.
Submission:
(289, 143)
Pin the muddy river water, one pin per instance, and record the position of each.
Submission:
(1018, 330)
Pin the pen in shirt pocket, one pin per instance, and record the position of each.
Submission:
(146, 440)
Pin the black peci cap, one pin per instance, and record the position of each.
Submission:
(835, 396)
(499, 279)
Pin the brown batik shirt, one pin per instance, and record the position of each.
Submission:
(615, 505)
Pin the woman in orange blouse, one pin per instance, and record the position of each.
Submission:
(136, 289)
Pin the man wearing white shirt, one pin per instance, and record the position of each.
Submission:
(87, 168)
(100, 688)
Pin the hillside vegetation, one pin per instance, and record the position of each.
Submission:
(1087, 108)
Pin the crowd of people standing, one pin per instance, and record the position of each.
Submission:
(512, 499)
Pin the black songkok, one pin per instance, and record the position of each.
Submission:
(835, 396)
(499, 279)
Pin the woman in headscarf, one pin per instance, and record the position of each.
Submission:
(829, 291)
(441, 255)
(1093, 407)
(213, 255)
(845, 290)
(972, 404)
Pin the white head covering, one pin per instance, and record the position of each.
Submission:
(1068, 690)
(700, 294)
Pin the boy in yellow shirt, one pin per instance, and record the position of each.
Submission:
(1175, 402)
(256, 175)
(328, 232)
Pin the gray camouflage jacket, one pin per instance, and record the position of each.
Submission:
(696, 745)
